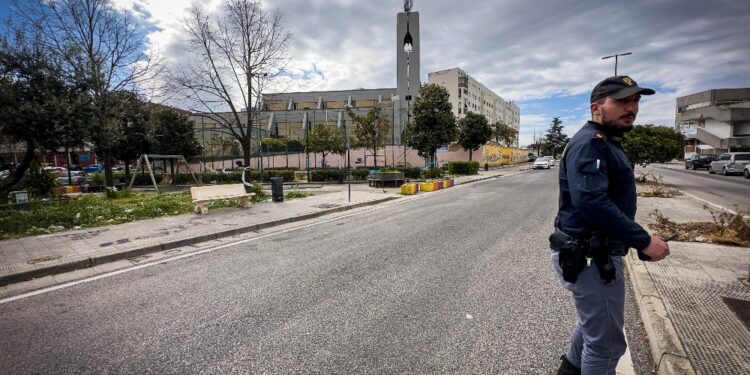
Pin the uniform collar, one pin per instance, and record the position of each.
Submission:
(612, 134)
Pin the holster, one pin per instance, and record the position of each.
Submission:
(572, 254)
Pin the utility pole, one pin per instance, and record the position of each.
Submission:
(616, 56)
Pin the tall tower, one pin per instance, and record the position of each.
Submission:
(407, 66)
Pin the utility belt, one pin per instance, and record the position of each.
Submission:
(578, 252)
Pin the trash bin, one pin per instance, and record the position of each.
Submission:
(277, 189)
(486, 167)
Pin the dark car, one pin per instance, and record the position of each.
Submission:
(699, 161)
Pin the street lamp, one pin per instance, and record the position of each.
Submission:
(616, 56)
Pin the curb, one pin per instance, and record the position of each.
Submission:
(89, 262)
(666, 347)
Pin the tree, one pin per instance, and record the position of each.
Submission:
(647, 144)
(503, 134)
(103, 52)
(556, 140)
(473, 132)
(231, 48)
(433, 122)
(133, 116)
(325, 139)
(371, 131)
(171, 133)
(37, 106)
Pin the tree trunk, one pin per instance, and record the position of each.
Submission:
(246, 154)
(17, 175)
(375, 157)
(108, 178)
(469, 155)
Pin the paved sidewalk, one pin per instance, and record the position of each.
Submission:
(31, 257)
(685, 298)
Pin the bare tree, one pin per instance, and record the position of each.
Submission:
(233, 49)
(103, 50)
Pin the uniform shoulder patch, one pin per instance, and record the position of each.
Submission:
(598, 134)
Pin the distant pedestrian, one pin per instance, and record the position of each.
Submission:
(595, 227)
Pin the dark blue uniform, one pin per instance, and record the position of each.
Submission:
(597, 189)
(597, 195)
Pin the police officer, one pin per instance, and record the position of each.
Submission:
(595, 227)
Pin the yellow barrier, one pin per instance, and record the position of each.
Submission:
(409, 189)
(428, 186)
(447, 183)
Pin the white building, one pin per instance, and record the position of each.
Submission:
(469, 95)
(715, 121)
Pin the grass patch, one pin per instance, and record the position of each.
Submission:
(726, 228)
(96, 210)
(295, 194)
(653, 186)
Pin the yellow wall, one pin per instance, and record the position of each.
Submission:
(496, 155)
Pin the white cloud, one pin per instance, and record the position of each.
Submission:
(522, 50)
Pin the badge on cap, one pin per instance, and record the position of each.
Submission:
(628, 81)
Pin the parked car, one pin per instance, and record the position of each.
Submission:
(730, 163)
(56, 170)
(699, 161)
(550, 159)
(531, 158)
(76, 177)
(541, 163)
(746, 172)
(94, 168)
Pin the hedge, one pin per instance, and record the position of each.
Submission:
(463, 167)
(320, 175)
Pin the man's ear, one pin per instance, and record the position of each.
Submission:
(595, 110)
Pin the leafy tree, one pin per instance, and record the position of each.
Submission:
(473, 132)
(133, 116)
(433, 122)
(556, 140)
(325, 139)
(235, 51)
(172, 134)
(647, 144)
(102, 51)
(371, 130)
(503, 133)
(37, 106)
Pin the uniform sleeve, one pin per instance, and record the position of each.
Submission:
(588, 182)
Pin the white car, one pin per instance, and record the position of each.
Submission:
(541, 163)
(550, 160)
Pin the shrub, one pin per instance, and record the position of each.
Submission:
(97, 177)
(319, 175)
(433, 172)
(463, 167)
(40, 182)
(410, 172)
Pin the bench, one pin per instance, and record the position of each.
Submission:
(203, 195)
(382, 179)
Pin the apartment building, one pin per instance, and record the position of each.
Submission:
(285, 114)
(714, 121)
(469, 95)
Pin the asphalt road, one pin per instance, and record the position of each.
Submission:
(726, 191)
(456, 282)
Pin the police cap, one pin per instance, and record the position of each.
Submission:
(618, 87)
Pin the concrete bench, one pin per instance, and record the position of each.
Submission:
(203, 195)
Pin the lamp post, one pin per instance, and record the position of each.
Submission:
(616, 56)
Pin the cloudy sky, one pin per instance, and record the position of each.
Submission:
(543, 55)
